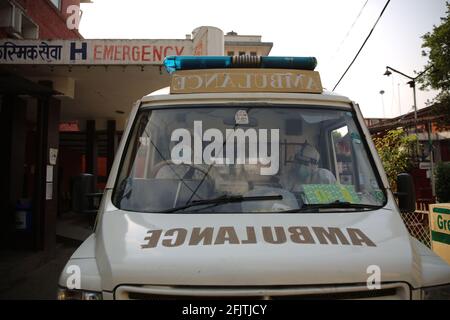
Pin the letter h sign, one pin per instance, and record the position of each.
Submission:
(74, 51)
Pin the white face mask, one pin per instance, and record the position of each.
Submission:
(304, 171)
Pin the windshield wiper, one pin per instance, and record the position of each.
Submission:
(223, 199)
(332, 205)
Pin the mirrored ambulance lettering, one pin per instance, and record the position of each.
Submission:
(254, 80)
(275, 235)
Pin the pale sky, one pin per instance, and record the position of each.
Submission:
(297, 28)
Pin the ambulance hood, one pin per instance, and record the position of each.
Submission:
(253, 249)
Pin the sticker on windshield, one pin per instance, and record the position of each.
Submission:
(241, 117)
(322, 193)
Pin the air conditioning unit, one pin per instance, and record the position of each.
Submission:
(17, 20)
(16, 23)
(30, 30)
(11, 18)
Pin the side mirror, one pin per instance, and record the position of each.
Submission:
(84, 197)
(406, 194)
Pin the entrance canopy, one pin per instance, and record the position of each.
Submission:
(101, 79)
(95, 92)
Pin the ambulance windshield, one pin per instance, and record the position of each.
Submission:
(254, 159)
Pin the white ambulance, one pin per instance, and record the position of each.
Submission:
(245, 179)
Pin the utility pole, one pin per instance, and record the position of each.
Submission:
(412, 84)
(382, 102)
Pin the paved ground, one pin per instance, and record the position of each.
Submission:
(34, 275)
(40, 283)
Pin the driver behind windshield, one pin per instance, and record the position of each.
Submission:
(305, 170)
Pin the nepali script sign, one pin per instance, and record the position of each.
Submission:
(91, 52)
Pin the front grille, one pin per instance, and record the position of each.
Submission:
(392, 291)
(144, 296)
(367, 294)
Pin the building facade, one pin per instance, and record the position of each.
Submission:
(64, 102)
(30, 114)
(238, 45)
(433, 141)
(37, 19)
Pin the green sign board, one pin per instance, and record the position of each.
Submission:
(441, 225)
(440, 229)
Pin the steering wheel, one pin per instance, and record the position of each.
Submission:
(273, 182)
(190, 171)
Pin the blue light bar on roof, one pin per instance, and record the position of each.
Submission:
(175, 63)
(302, 63)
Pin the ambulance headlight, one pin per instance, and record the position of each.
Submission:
(68, 294)
(436, 293)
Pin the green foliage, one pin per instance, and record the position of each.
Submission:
(336, 135)
(441, 109)
(437, 45)
(395, 150)
(443, 182)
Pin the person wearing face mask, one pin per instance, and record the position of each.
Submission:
(305, 169)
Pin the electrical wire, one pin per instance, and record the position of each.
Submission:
(362, 46)
(348, 32)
